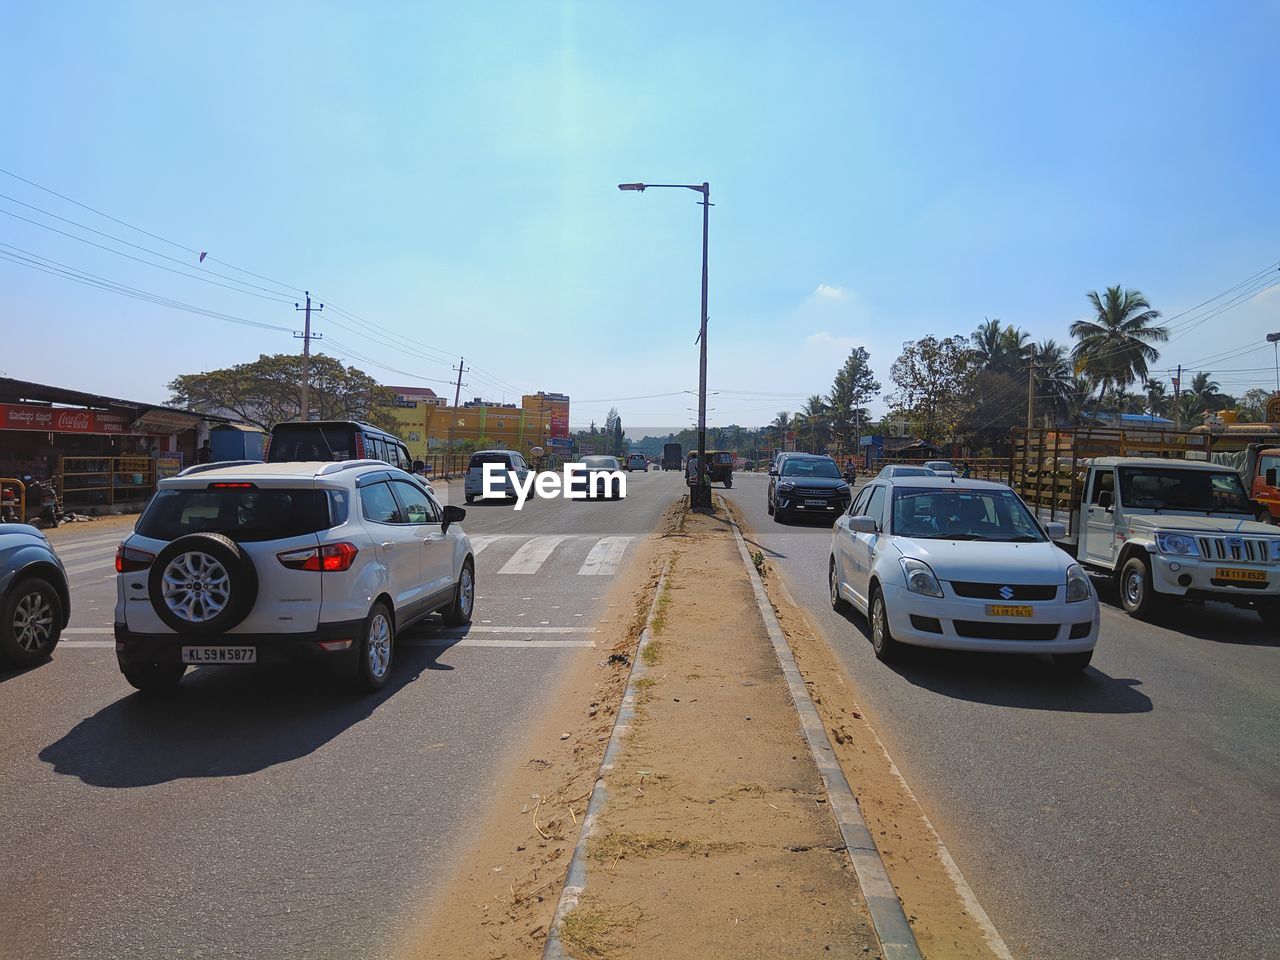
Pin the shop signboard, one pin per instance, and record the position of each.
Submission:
(24, 416)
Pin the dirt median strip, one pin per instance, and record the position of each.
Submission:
(945, 916)
(717, 838)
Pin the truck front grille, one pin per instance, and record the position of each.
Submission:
(1232, 548)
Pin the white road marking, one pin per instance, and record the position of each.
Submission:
(478, 543)
(85, 643)
(103, 563)
(442, 631)
(604, 557)
(88, 546)
(532, 555)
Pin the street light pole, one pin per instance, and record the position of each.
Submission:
(1274, 340)
(701, 496)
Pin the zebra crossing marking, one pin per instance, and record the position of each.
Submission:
(604, 557)
(532, 555)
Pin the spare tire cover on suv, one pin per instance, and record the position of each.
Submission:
(202, 583)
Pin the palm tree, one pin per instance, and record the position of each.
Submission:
(1204, 391)
(1115, 347)
(814, 418)
(781, 424)
(1157, 398)
(987, 343)
(1055, 381)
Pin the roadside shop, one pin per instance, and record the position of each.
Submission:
(102, 452)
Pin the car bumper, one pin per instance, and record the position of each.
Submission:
(799, 506)
(1048, 630)
(1191, 576)
(272, 648)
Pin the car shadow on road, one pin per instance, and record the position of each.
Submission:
(1013, 680)
(223, 722)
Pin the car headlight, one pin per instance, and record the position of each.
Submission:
(1275, 550)
(786, 487)
(920, 578)
(1177, 544)
(843, 489)
(1077, 583)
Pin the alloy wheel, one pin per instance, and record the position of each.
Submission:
(196, 587)
(33, 621)
(467, 589)
(379, 646)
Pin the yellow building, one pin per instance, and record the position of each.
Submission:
(427, 425)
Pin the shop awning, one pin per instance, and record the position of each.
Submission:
(98, 413)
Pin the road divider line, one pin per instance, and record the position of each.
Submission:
(532, 555)
(897, 940)
(103, 563)
(604, 557)
(575, 881)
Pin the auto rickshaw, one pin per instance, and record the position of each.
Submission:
(719, 467)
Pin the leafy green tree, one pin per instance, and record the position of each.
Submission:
(1252, 406)
(1115, 348)
(932, 377)
(811, 421)
(855, 385)
(267, 391)
(1203, 390)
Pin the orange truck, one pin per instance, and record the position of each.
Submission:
(1259, 466)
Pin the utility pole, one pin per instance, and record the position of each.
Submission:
(1031, 389)
(703, 489)
(1177, 392)
(457, 398)
(307, 336)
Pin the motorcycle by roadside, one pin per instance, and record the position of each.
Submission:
(27, 498)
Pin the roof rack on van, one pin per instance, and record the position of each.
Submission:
(217, 465)
(330, 468)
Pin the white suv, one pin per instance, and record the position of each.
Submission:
(286, 562)
(637, 461)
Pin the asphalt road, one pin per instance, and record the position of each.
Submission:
(1128, 813)
(273, 814)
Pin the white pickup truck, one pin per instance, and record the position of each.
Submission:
(1173, 529)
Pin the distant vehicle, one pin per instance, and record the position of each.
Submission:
(672, 458)
(509, 460)
(942, 468)
(286, 563)
(894, 470)
(637, 461)
(807, 485)
(962, 565)
(719, 467)
(599, 485)
(331, 440)
(35, 603)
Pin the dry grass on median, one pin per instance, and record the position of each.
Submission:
(596, 932)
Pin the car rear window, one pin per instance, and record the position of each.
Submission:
(478, 460)
(274, 513)
(304, 442)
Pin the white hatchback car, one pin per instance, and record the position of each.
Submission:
(286, 562)
(960, 564)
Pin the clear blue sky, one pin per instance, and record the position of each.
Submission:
(879, 174)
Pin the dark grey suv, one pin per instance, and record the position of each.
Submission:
(35, 603)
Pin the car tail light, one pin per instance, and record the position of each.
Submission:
(359, 446)
(233, 486)
(129, 559)
(331, 558)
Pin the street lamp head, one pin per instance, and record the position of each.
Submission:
(1273, 337)
(638, 187)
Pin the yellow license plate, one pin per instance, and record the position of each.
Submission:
(1000, 610)
(1244, 576)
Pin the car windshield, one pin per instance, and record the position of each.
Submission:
(601, 463)
(825, 468)
(936, 465)
(1173, 488)
(932, 514)
(911, 472)
(244, 515)
(291, 442)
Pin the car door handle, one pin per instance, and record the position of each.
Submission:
(388, 544)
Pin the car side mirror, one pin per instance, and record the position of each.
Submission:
(1055, 530)
(773, 472)
(1271, 477)
(862, 524)
(1104, 499)
(452, 514)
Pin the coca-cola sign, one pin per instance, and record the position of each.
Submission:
(21, 416)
